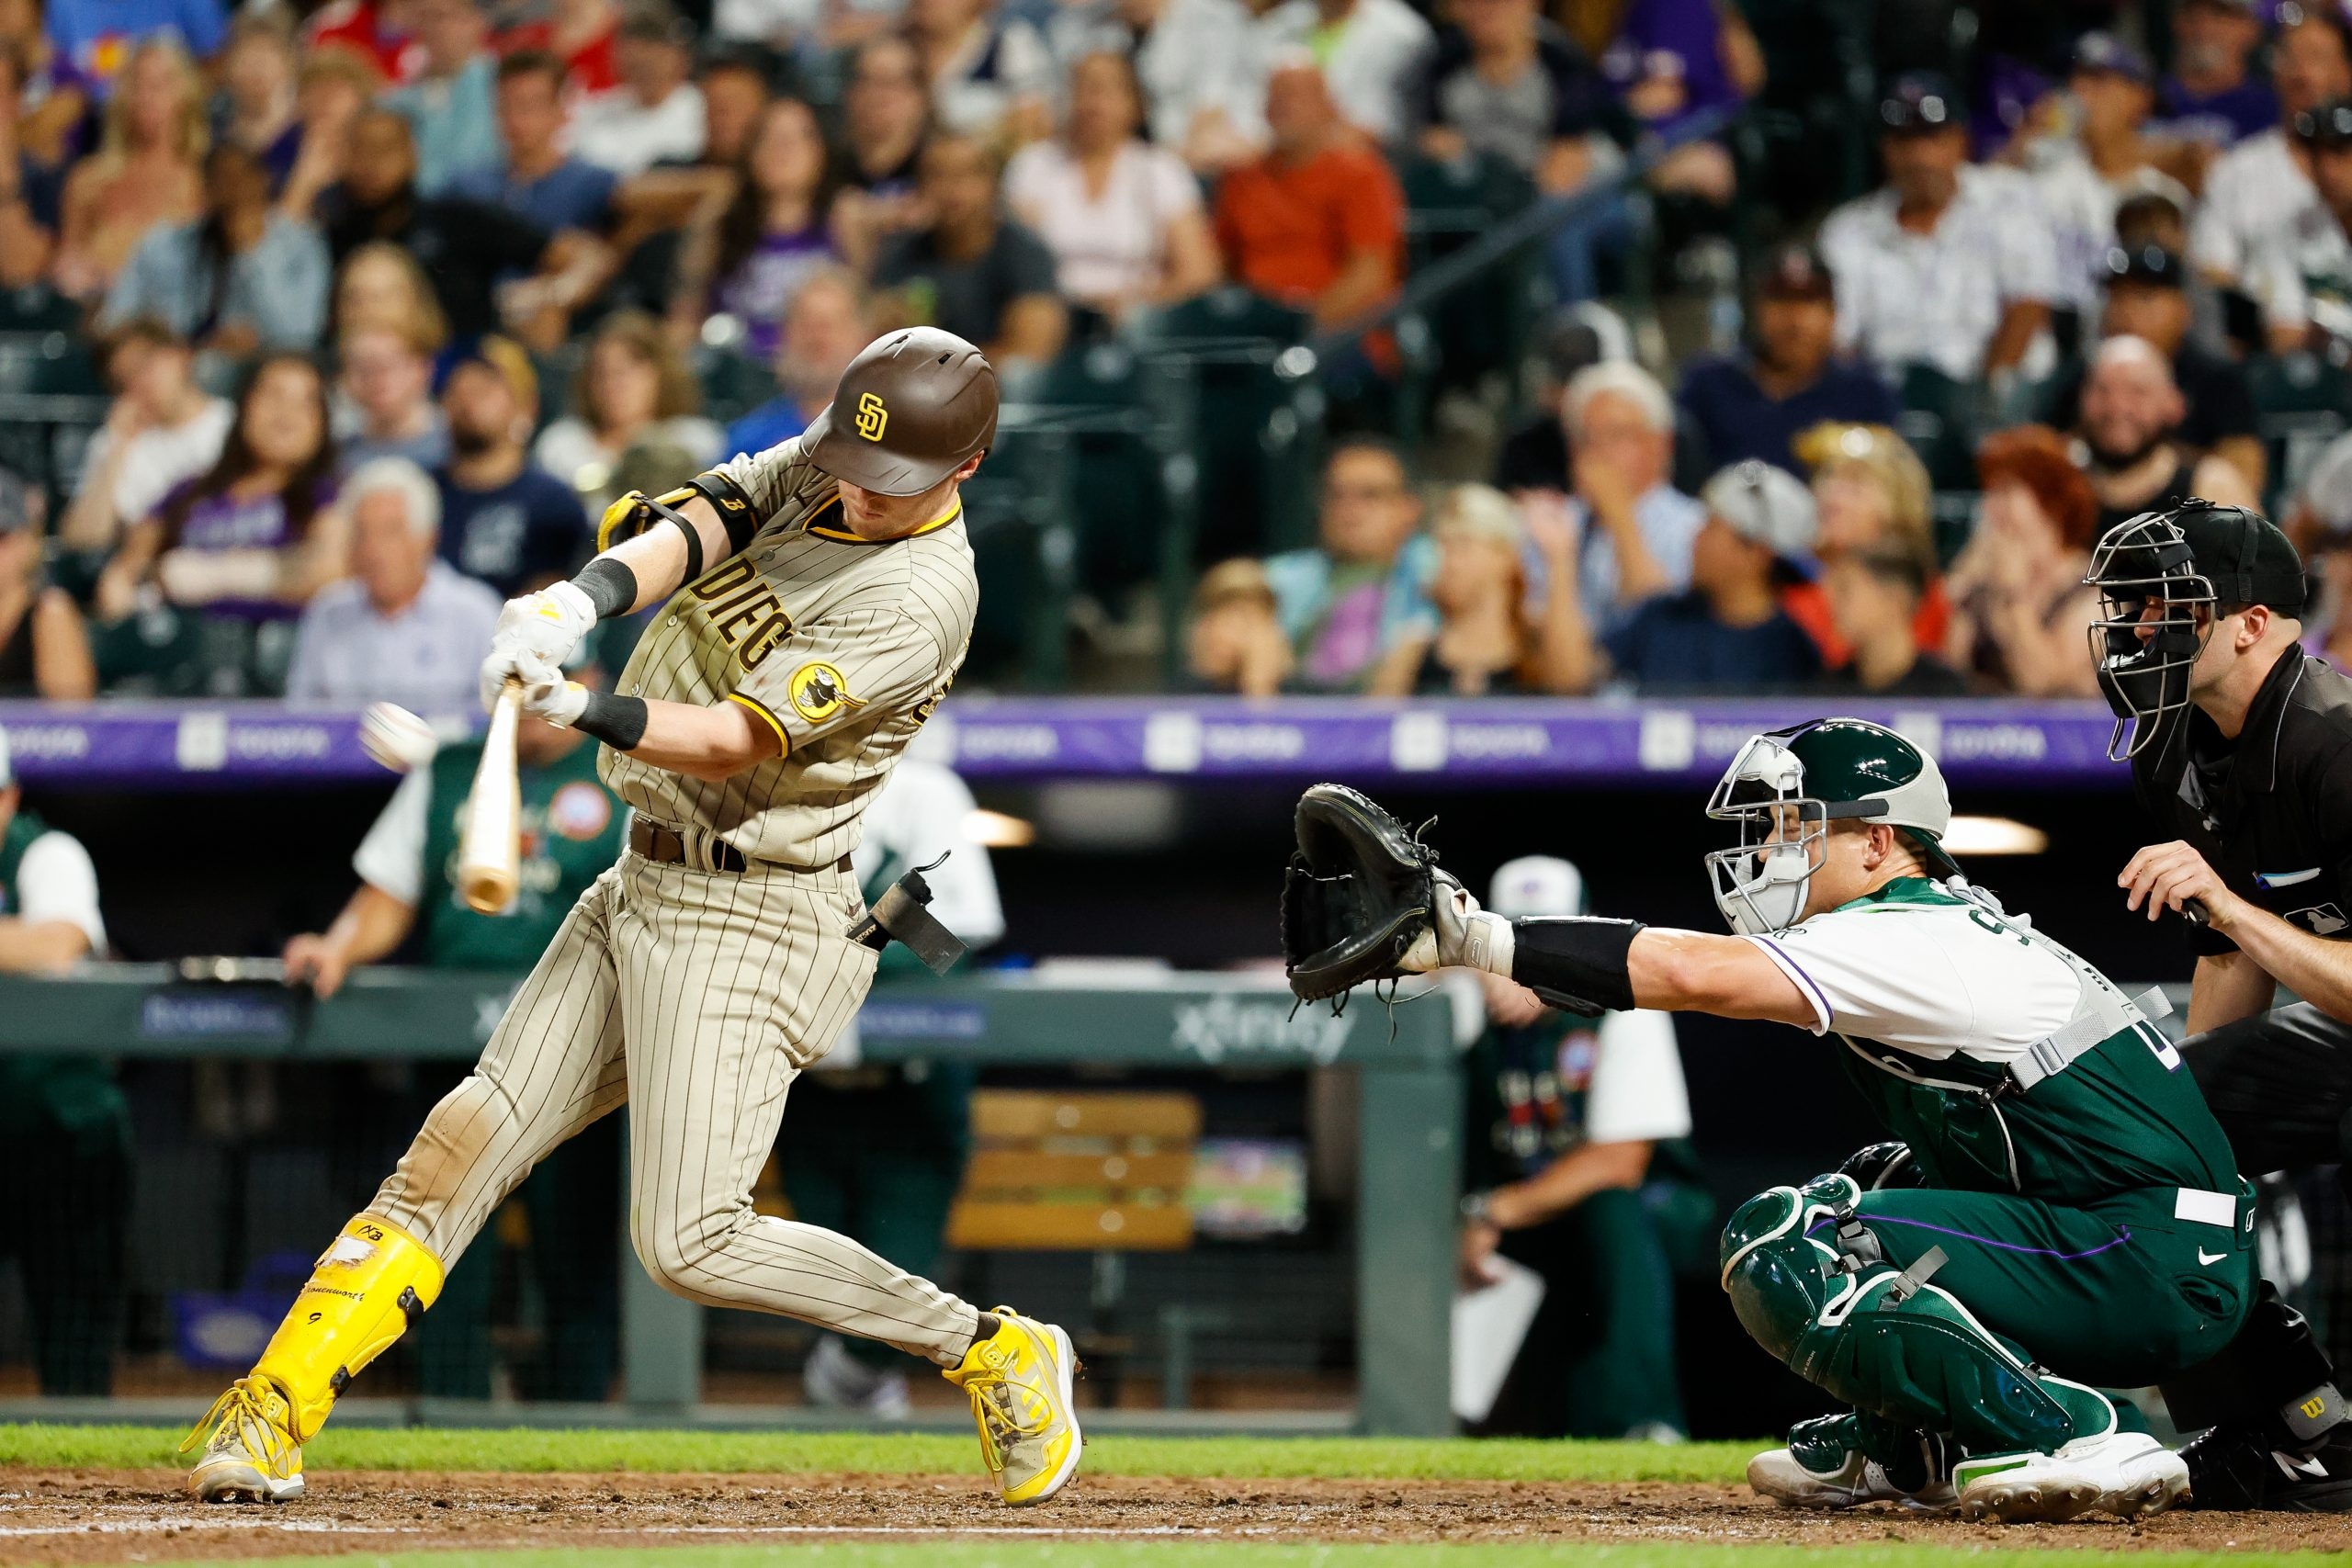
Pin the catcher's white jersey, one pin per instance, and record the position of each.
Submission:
(841, 646)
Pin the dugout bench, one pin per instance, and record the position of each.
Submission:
(1408, 1133)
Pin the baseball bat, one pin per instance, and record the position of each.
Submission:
(489, 855)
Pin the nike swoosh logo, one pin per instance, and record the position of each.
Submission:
(2209, 1260)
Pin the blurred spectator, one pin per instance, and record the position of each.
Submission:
(2022, 613)
(384, 405)
(2329, 564)
(1673, 59)
(2260, 189)
(1235, 642)
(452, 103)
(381, 31)
(824, 328)
(145, 171)
(2147, 298)
(31, 190)
(162, 430)
(54, 94)
(257, 534)
(991, 75)
(537, 180)
(582, 35)
(1727, 632)
(1319, 220)
(337, 84)
(1578, 1157)
(1947, 264)
(1486, 640)
(2212, 97)
(1204, 85)
(465, 248)
(656, 112)
(44, 645)
(1874, 595)
(572, 831)
(735, 89)
(751, 257)
(504, 520)
(2130, 425)
(1368, 50)
(103, 38)
(259, 108)
(1503, 81)
(1789, 378)
(885, 113)
(1535, 455)
(381, 287)
(2083, 178)
(1869, 492)
(634, 389)
(796, 28)
(65, 1139)
(404, 626)
(2302, 276)
(1363, 588)
(241, 278)
(971, 269)
(1122, 217)
(1636, 530)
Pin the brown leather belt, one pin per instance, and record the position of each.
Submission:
(668, 847)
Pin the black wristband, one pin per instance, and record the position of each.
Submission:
(734, 508)
(610, 585)
(1576, 962)
(619, 722)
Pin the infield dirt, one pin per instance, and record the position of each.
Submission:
(89, 1516)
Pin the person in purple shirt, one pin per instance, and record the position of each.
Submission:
(1673, 59)
(1755, 404)
(97, 35)
(2213, 94)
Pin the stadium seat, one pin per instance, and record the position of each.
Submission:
(2300, 401)
(1016, 510)
(1941, 418)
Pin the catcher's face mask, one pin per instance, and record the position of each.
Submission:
(1760, 883)
(2156, 612)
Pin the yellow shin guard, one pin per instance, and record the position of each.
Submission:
(362, 1296)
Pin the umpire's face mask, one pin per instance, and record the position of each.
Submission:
(2156, 612)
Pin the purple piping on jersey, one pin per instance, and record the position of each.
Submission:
(2123, 1235)
(1820, 1000)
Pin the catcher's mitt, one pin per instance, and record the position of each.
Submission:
(1357, 894)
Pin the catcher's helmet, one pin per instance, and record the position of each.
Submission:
(2164, 578)
(1830, 770)
(908, 411)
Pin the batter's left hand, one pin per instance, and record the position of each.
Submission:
(2168, 876)
(546, 695)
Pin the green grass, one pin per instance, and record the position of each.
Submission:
(1035, 1553)
(537, 1449)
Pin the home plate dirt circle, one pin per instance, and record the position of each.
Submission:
(86, 1516)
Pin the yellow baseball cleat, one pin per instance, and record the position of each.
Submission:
(251, 1456)
(1019, 1381)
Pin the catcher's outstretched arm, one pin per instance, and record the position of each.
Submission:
(1726, 976)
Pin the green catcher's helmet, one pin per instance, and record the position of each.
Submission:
(1830, 770)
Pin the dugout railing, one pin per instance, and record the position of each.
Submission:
(1408, 1133)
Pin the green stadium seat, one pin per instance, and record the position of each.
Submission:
(1941, 420)
(1016, 511)
(2301, 403)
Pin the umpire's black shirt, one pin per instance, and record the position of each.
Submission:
(2271, 811)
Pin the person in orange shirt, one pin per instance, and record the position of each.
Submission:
(1317, 222)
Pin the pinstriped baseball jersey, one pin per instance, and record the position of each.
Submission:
(841, 646)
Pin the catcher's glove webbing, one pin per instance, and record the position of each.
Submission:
(1356, 896)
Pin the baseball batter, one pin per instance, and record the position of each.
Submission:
(819, 598)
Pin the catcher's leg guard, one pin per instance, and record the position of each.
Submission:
(363, 1293)
(1806, 1279)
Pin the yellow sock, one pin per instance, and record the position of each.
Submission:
(363, 1293)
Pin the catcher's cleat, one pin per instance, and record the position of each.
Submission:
(251, 1455)
(1019, 1381)
(2124, 1473)
(2239, 1466)
(1825, 1466)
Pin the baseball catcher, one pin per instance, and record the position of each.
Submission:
(2064, 1214)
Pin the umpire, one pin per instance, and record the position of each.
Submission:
(2241, 747)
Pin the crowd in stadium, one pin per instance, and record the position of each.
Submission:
(392, 297)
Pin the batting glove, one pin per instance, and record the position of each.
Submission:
(548, 695)
(546, 627)
(1461, 934)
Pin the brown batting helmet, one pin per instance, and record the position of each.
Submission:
(908, 411)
